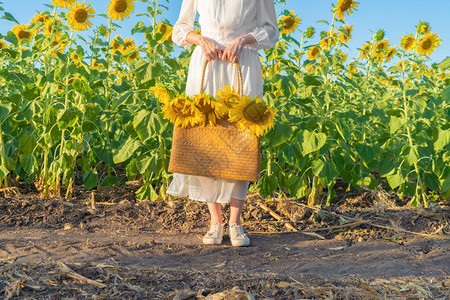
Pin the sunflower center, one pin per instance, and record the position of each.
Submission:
(288, 22)
(255, 113)
(24, 34)
(346, 5)
(81, 15)
(427, 44)
(231, 101)
(120, 6)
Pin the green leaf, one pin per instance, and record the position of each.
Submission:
(110, 181)
(396, 179)
(312, 141)
(9, 17)
(443, 139)
(312, 81)
(279, 134)
(267, 185)
(3, 172)
(67, 119)
(5, 108)
(146, 192)
(90, 179)
(83, 162)
(366, 151)
(27, 143)
(126, 150)
(395, 124)
(317, 167)
(27, 163)
(446, 94)
(147, 124)
(445, 64)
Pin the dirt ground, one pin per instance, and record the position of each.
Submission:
(107, 245)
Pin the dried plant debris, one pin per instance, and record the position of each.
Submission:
(111, 281)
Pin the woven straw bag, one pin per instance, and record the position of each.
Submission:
(221, 151)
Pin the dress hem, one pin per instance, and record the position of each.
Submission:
(204, 200)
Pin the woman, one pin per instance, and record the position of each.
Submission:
(231, 31)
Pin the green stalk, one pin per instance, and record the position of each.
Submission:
(3, 154)
(410, 141)
(45, 171)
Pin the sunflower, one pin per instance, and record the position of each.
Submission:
(182, 112)
(38, 17)
(289, 23)
(345, 37)
(115, 45)
(209, 107)
(363, 53)
(380, 48)
(390, 54)
(63, 3)
(95, 64)
(352, 69)
(342, 56)
(75, 58)
(428, 43)
(408, 42)
(3, 44)
(345, 7)
(253, 115)
(309, 33)
(161, 94)
(313, 52)
(134, 53)
(21, 31)
(122, 77)
(51, 26)
(198, 31)
(78, 16)
(423, 27)
(327, 42)
(227, 98)
(59, 44)
(120, 9)
(166, 31)
(129, 44)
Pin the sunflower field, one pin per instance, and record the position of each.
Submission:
(76, 111)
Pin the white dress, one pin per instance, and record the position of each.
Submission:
(223, 21)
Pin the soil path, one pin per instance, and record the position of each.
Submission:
(289, 254)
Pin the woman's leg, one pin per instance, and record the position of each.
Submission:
(215, 210)
(235, 211)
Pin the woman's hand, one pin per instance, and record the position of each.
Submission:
(209, 47)
(233, 51)
(211, 50)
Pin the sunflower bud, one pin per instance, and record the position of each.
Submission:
(309, 33)
(102, 30)
(423, 27)
(380, 35)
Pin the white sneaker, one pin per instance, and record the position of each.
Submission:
(214, 235)
(237, 236)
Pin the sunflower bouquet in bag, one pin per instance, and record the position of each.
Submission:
(217, 136)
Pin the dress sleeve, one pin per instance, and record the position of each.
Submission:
(266, 32)
(185, 23)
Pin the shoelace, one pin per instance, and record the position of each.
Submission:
(238, 230)
(215, 228)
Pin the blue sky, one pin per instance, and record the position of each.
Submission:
(396, 17)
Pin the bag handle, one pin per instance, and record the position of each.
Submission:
(238, 73)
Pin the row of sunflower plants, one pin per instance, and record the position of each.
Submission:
(366, 122)
(72, 106)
